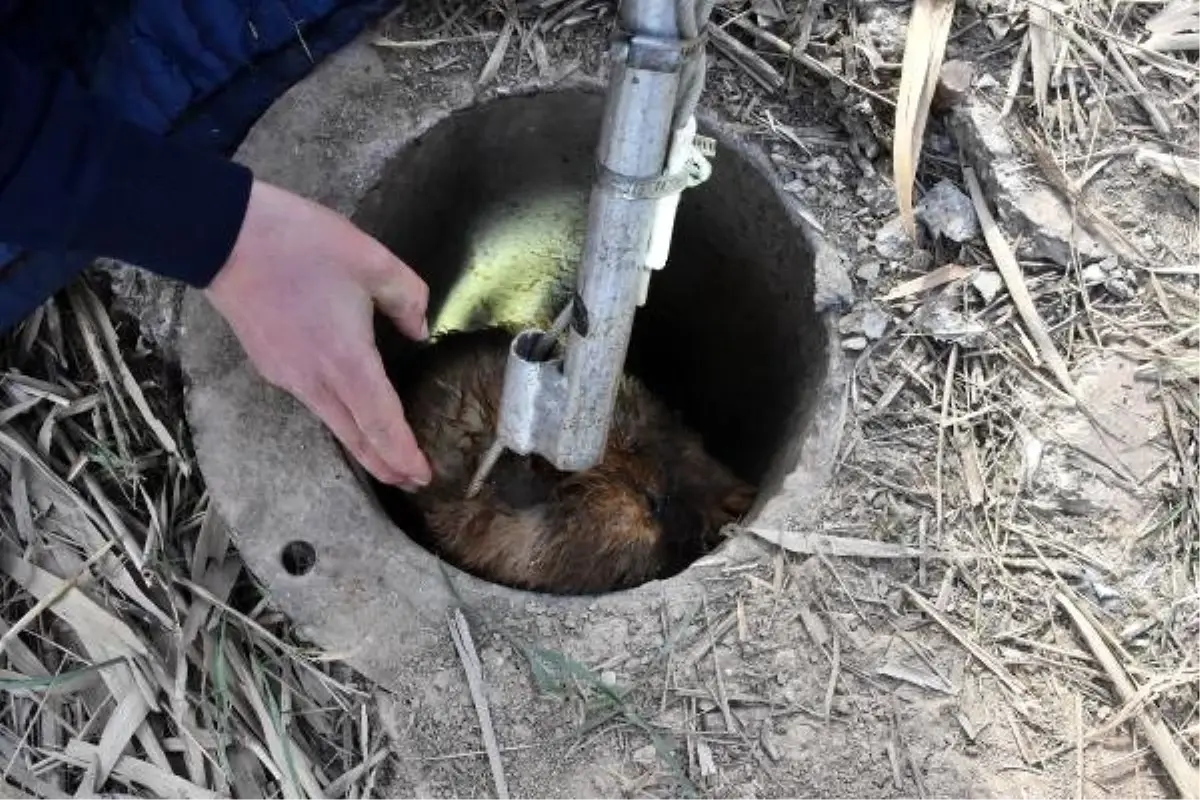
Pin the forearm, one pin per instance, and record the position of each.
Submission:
(76, 178)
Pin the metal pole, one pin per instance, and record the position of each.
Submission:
(633, 146)
(647, 154)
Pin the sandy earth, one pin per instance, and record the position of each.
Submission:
(825, 679)
(802, 675)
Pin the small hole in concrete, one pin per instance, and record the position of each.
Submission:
(491, 209)
(298, 557)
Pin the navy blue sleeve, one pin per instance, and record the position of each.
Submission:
(75, 177)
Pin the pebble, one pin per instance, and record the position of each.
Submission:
(874, 323)
(921, 261)
(869, 272)
(892, 241)
(1120, 283)
(947, 211)
(947, 324)
(988, 283)
(1093, 274)
(986, 81)
(645, 755)
(855, 343)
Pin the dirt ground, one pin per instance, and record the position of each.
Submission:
(1010, 529)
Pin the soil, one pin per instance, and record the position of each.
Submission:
(806, 675)
(799, 694)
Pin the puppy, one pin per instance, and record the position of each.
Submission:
(655, 503)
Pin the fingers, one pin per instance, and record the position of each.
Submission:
(322, 401)
(401, 295)
(379, 416)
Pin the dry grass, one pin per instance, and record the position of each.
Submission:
(137, 656)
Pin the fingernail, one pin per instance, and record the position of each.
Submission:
(425, 329)
(412, 485)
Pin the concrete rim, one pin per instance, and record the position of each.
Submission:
(277, 476)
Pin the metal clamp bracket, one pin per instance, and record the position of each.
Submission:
(655, 53)
(696, 170)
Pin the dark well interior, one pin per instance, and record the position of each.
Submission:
(489, 206)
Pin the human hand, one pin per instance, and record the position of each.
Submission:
(299, 290)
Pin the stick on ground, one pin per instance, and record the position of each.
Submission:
(1185, 776)
(461, 634)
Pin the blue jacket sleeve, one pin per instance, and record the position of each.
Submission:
(75, 177)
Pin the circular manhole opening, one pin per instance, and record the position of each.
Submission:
(490, 207)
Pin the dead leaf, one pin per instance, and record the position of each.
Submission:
(928, 31)
(1174, 27)
(492, 67)
(1014, 280)
(939, 277)
(1043, 44)
(1184, 169)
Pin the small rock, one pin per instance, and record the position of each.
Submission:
(920, 261)
(608, 678)
(493, 657)
(786, 660)
(1103, 592)
(886, 28)
(824, 165)
(855, 343)
(948, 324)
(892, 240)
(834, 289)
(645, 755)
(1093, 274)
(986, 81)
(876, 196)
(998, 25)
(1028, 211)
(874, 323)
(946, 211)
(1121, 287)
(1120, 283)
(850, 323)
(988, 283)
(869, 272)
(954, 84)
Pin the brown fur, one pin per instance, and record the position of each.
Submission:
(656, 502)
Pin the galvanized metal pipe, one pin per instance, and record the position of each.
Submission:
(563, 410)
(634, 144)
